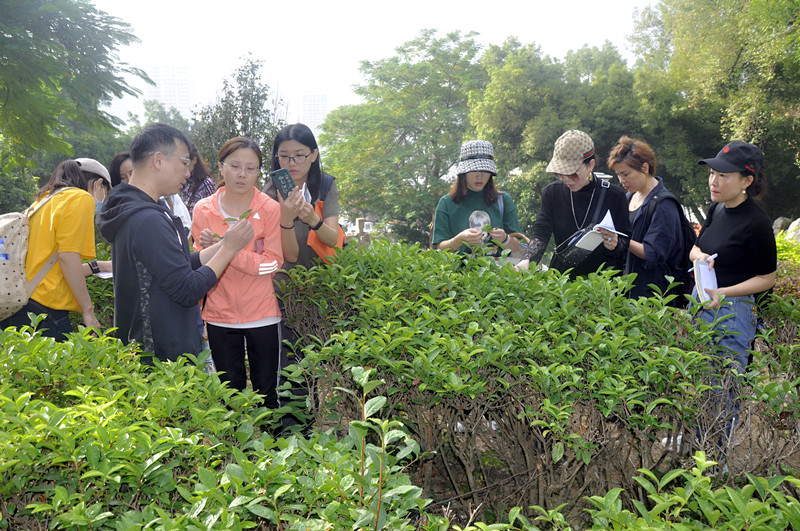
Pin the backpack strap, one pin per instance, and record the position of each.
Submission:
(31, 210)
(596, 215)
(33, 283)
(500, 205)
(325, 186)
(654, 201)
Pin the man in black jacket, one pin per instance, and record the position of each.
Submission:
(158, 282)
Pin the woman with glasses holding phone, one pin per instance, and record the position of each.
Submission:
(241, 311)
(309, 215)
(576, 200)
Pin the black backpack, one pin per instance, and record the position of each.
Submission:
(683, 275)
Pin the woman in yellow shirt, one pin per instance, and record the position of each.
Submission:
(63, 228)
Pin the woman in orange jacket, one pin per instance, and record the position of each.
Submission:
(241, 311)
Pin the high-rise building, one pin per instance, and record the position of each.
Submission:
(173, 87)
(315, 108)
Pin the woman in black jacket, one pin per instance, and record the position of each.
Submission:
(579, 199)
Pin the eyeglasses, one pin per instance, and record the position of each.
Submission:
(297, 159)
(184, 160)
(237, 167)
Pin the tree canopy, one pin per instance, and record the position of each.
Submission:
(392, 152)
(245, 107)
(58, 63)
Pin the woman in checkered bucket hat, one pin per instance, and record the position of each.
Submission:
(579, 199)
(463, 216)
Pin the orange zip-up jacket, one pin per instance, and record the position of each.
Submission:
(241, 295)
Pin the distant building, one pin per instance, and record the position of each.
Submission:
(315, 109)
(173, 87)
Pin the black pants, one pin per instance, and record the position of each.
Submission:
(262, 346)
(55, 325)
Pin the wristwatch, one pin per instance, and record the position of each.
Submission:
(318, 225)
(94, 267)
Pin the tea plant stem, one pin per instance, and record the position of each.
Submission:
(482, 489)
(380, 492)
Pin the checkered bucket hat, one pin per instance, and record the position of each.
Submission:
(476, 155)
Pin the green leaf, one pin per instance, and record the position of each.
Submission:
(373, 405)
(558, 451)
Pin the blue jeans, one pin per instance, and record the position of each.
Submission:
(736, 331)
(55, 325)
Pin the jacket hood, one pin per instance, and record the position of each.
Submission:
(122, 201)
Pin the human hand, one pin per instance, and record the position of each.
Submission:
(89, 320)
(307, 215)
(610, 239)
(471, 237)
(290, 207)
(523, 265)
(498, 235)
(207, 238)
(708, 258)
(714, 300)
(238, 236)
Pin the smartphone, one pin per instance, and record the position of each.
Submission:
(283, 181)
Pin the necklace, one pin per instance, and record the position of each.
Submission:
(572, 204)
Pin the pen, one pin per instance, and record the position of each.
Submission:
(713, 256)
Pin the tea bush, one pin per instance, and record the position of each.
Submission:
(91, 439)
(527, 389)
(519, 399)
(788, 282)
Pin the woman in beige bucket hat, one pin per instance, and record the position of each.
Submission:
(576, 200)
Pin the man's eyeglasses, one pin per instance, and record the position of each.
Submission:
(237, 167)
(297, 159)
(184, 160)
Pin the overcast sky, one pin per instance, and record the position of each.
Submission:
(316, 46)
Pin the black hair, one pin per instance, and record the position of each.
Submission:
(156, 137)
(458, 190)
(759, 184)
(200, 172)
(302, 134)
(116, 164)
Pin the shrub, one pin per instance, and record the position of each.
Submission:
(92, 439)
(526, 388)
(787, 283)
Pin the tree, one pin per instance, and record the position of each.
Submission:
(244, 108)
(155, 111)
(392, 154)
(58, 63)
(744, 59)
(530, 100)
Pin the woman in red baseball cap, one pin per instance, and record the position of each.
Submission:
(737, 243)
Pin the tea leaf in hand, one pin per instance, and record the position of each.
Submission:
(245, 214)
(487, 228)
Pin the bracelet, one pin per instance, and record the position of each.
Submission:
(507, 240)
(94, 267)
(287, 228)
(318, 225)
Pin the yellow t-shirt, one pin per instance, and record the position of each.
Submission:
(64, 224)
